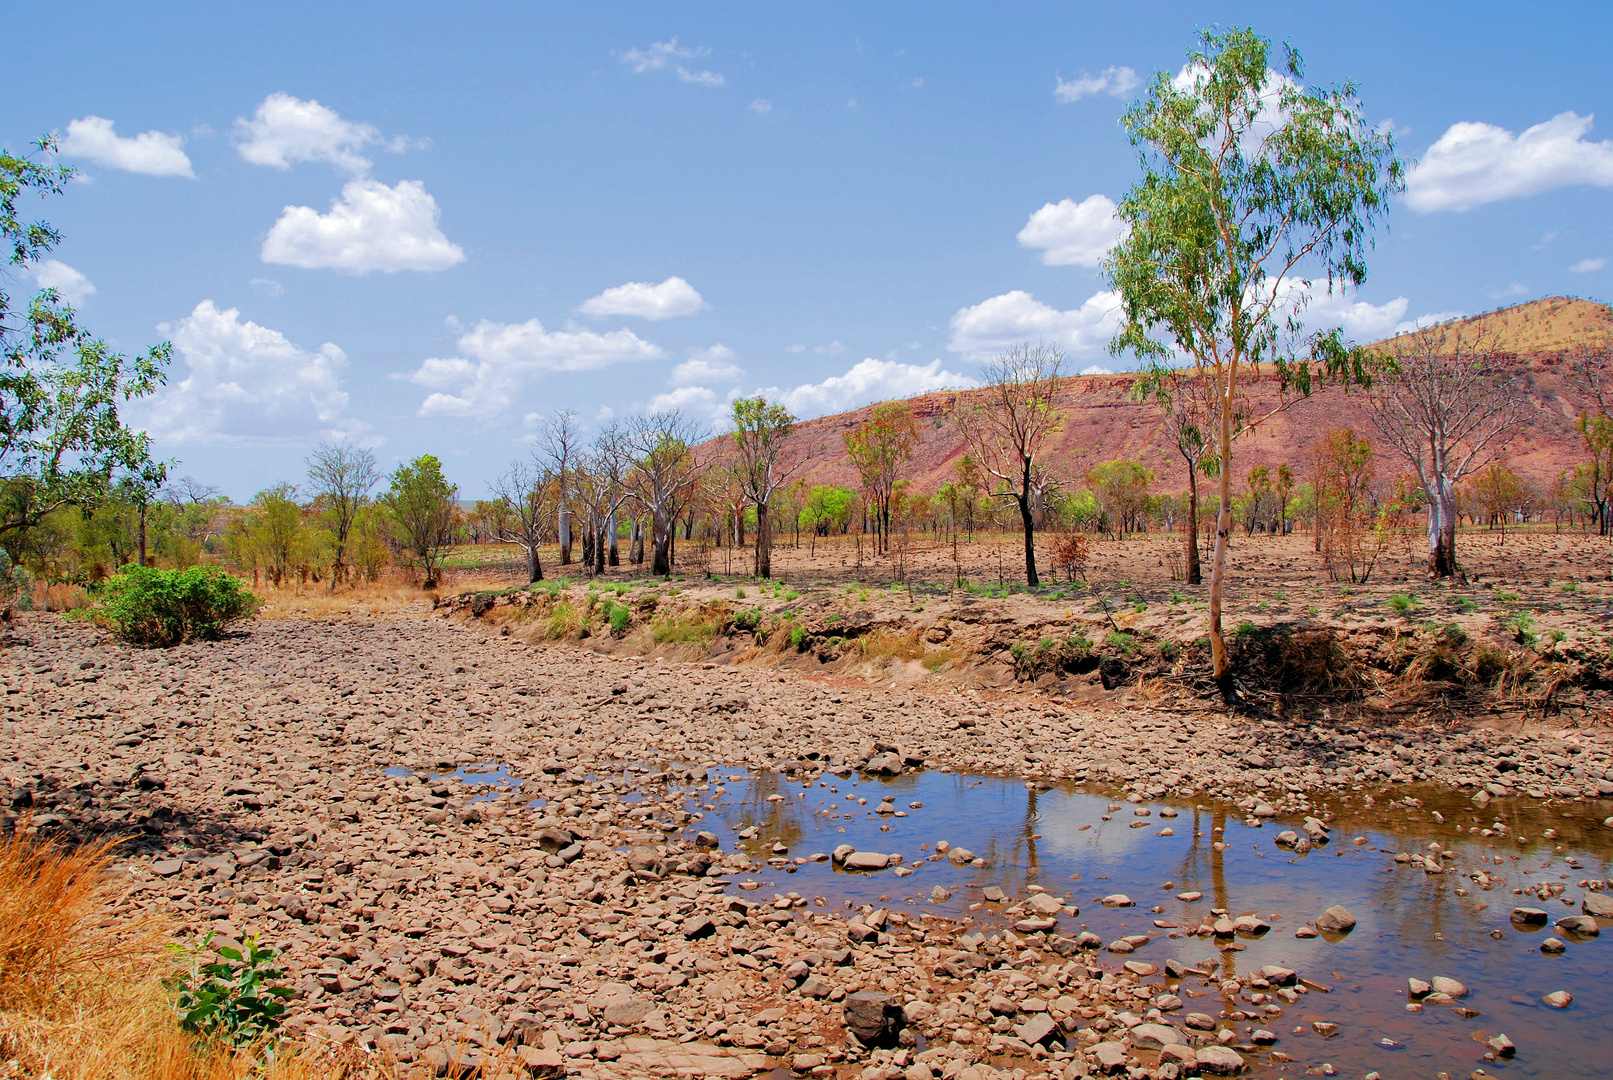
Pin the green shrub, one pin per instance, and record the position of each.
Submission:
(1169, 650)
(1245, 629)
(1466, 604)
(1178, 598)
(233, 998)
(1507, 597)
(149, 607)
(748, 619)
(798, 637)
(620, 617)
(1402, 603)
(739, 593)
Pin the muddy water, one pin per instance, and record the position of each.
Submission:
(1412, 924)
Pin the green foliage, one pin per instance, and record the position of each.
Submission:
(1569, 587)
(1169, 650)
(739, 593)
(420, 503)
(62, 442)
(1245, 629)
(1402, 604)
(688, 627)
(1178, 598)
(620, 616)
(1522, 625)
(748, 619)
(234, 998)
(1507, 597)
(798, 637)
(1049, 655)
(149, 607)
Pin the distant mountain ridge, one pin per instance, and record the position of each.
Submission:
(1100, 424)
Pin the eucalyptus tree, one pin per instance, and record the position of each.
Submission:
(560, 443)
(420, 507)
(1255, 189)
(1187, 412)
(1007, 425)
(341, 477)
(761, 438)
(879, 448)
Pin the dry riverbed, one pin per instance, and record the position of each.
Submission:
(325, 785)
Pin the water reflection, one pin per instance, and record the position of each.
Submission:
(1412, 923)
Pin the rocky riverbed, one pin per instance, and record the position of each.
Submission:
(325, 785)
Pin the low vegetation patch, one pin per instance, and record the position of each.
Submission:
(155, 608)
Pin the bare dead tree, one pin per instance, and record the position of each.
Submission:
(560, 444)
(341, 476)
(528, 494)
(1007, 426)
(663, 475)
(1442, 407)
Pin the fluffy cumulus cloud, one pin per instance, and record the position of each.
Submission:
(495, 361)
(1476, 163)
(714, 365)
(672, 298)
(868, 381)
(286, 130)
(71, 284)
(370, 227)
(1584, 266)
(151, 153)
(1074, 233)
(1117, 81)
(248, 385)
(698, 401)
(668, 56)
(1016, 317)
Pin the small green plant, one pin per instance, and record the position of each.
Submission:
(1169, 650)
(620, 616)
(1522, 625)
(791, 594)
(1507, 597)
(1569, 587)
(1262, 605)
(748, 619)
(1557, 636)
(739, 593)
(798, 637)
(1124, 644)
(234, 998)
(149, 607)
(1466, 604)
(1245, 629)
(1139, 607)
(1402, 604)
(1178, 598)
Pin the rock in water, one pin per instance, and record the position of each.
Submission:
(1336, 920)
(872, 1017)
(1561, 999)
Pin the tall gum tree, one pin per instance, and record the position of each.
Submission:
(879, 448)
(1255, 189)
(1006, 426)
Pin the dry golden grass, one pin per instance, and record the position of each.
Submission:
(81, 984)
(317, 601)
(59, 597)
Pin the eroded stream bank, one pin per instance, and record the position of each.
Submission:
(553, 921)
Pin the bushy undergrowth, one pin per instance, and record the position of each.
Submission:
(153, 608)
(237, 998)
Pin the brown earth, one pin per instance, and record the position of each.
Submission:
(1102, 424)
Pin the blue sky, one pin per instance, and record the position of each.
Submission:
(422, 230)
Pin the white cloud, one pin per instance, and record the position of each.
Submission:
(1074, 233)
(762, 105)
(1476, 163)
(1116, 81)
(867, 381)
(285, 130)
(701, 78)
(834, 348)
(370, 227)
(796, 348)
(72, 285)
(1584, 266)
(498, 358)
(1016, 317)
(1517, 288)
(696, 401)
(665, 54)
(151, 153)
(1094, 369)
(268, 286)
(1433, 318)
(671, 299)
(1360, 320)
(716, 364)
(248, 385)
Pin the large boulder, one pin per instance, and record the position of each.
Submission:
(873, 1017)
